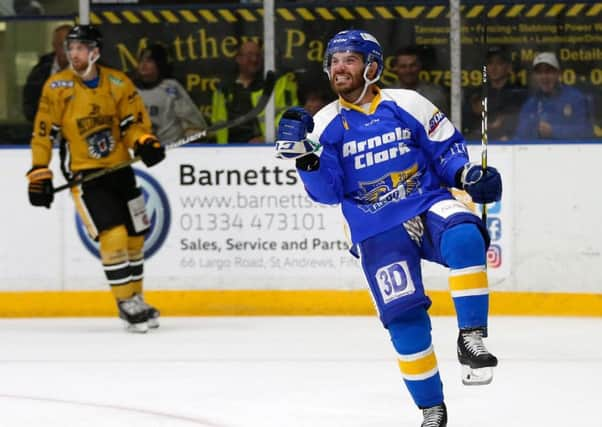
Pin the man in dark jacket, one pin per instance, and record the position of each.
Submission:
(504, 100)
(48, 65)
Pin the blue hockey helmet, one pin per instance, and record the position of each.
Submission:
(357, 41)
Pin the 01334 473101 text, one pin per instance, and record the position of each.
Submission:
(266, 221)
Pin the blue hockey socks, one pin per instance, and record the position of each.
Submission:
(463, 250)
(411, 337)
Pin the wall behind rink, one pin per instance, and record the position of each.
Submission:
(234, 233)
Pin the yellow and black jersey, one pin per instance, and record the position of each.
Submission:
(94, 126)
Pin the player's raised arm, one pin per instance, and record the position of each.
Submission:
(292, 141)
(317, 165)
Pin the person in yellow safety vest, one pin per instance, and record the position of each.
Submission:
(236, 97)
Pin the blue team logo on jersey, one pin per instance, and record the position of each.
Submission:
(100, 144)
(158, 210)
(375, 195)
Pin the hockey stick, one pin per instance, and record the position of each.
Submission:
(484, 94)
(268, 87)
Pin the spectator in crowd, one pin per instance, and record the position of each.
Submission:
(238, 95)
(314, 91)
(504, 100)
(314, 100)
(28, 7)
(20, 7)
(49, 64)
(173, 114)
(554, 110)
(408, 65)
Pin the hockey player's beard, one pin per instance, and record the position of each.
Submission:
(348, 92)
(80, 68)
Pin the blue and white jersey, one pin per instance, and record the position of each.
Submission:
(386, 165)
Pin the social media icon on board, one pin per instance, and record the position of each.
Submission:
(494, 256)
(493, 208)
(494, 226)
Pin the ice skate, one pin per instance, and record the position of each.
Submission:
(134, 314)
(153, 313)
(435, 416)
(477, 362)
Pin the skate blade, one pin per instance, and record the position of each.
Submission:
(153, 323)
(477, 376)
(136, 328)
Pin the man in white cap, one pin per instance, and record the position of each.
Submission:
(554, 110)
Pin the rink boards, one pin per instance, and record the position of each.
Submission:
(234, 233)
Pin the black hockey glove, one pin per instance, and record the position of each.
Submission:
(40, 190)
(150, 150)
(483, 186)
(308, 163)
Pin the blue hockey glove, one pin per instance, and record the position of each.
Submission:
(291, 141)
(295, 124)
(483, 186)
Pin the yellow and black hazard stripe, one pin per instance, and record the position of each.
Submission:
(350, 13)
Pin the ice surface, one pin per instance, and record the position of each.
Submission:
(286, 372)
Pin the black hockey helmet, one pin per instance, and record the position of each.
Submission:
(86, 34)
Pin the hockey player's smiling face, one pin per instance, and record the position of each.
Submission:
(346, 74)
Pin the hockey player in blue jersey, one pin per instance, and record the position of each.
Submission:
(389, 157)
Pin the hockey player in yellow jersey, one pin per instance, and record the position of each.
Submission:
(95, 115)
